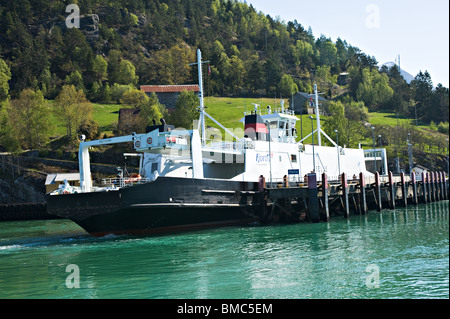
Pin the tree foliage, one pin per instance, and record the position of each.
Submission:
(28, 119)
(73, 109)
(347, 118)
(185, 110)
(5, 76)
(153, 42)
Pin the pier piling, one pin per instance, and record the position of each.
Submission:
(378, 192)
(404, 200)
(391, 191)
(414, 188)
(313, 198)
(444, 186)
(344, 186)
(424, 183)
(439, 184)
(325, 197)
(262, 199)
(431, 187)
(362, 195)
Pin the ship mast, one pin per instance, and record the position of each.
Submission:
(200, 94)
(319, 130)
(200, 84)
(202, 105)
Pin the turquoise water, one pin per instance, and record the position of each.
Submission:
(402, 253)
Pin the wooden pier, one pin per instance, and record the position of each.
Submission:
(316, 197)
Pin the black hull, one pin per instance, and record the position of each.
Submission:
(165, 205)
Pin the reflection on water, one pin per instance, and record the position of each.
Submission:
(409, 247)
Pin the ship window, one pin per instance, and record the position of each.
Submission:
(294, 158)
(281, 125)
(154, 167)
(273, 125)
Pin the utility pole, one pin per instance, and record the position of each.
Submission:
(410, 154)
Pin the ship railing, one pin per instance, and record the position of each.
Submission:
(302, 181)
(124, 182)
(237, 146)
(278, 110)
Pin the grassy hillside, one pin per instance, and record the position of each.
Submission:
(106, 115)
(229, 112)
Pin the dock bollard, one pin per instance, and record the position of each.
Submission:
(313, 197)
(362, 194)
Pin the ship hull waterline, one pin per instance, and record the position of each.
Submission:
(166, 205)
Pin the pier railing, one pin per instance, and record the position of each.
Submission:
(301, 181)
(124, 182)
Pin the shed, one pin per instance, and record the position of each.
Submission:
(418, 170)
(168, 94)
(54, 180)
(303, 103)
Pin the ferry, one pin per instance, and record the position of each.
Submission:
(187, 181)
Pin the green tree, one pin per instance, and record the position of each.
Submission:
(118, 90)
(422, 86)
(149, 114)
(100, 68)
(273, 76)
(125, 74)
(135, 98)
(7, 137)
(5, 76)
(236, 74)
(324, 78)
(328, 53)
(440, 103)
(75, 79)
(73, 109)
(374, 88)
(185, 110)
(287, 86)
(254, 77)
(28, 116)
(348, 119)
(401, 98)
